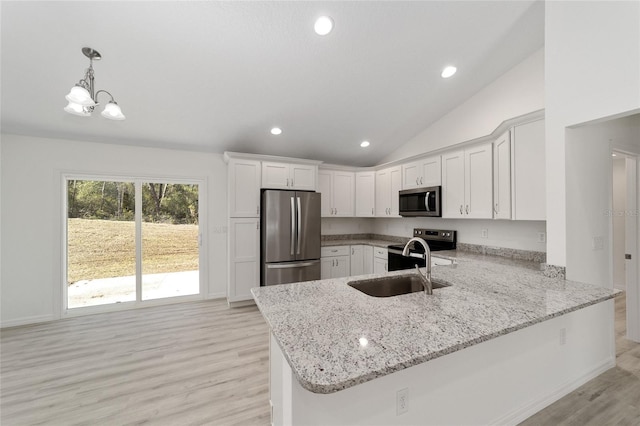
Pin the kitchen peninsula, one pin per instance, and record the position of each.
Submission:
(497, 345)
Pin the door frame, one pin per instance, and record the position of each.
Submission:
(65, 176)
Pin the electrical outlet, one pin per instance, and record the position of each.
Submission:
(542, 237)
(484, 233)
(402, 401)
(597, 243)
(563, 336)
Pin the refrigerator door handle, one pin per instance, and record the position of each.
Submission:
(291, 265)
(298, 221)
(293, 227)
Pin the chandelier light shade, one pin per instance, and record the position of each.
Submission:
(83, 98)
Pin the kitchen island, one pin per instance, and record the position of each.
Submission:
(500, 343)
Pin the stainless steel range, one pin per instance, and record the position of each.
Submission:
(437, 239)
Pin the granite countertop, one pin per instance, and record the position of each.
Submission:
(319, 325)
(370, 242)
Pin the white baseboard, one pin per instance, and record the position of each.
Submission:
(241, 303)
(27, 321)
(216, 296)
(522, 413)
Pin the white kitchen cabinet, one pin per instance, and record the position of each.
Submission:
(335, 262)
(502, 176)
(289, 176)
(367, 259)
(244, 188)
(529, 192)
(380, 260)
(357, 260)
(387, 185)
(467, 183)
(422, 173)
(365, 194)
(244, 258)
(338, 193)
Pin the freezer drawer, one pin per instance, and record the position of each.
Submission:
(290, 272)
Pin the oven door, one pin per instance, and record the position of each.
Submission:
(398, 262)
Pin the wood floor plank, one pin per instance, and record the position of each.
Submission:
(202, 363)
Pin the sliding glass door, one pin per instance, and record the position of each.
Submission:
(130, 241)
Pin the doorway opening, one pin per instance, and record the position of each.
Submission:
(130, 241)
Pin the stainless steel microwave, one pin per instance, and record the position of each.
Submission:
(420, 202)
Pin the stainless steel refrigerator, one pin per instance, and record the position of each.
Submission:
(290, 237)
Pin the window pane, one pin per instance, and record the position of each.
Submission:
(169, 240)
(101, 254)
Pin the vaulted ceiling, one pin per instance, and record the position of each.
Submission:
(216, 76)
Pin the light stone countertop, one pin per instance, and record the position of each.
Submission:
(374, 242)
(319, 324)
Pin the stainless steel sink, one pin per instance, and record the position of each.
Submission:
(392, 285)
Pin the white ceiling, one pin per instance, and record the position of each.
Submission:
(216, 76)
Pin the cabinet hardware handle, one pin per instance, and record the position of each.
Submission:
(467, 209)
(336, 211)
(460, 208)
(420, 180)
(334, 251)
(353, 251)
(417, 182)
(495, 209)
(287, 181)
(292, 183)
(371, 210)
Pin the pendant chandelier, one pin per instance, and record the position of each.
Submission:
(83, 98)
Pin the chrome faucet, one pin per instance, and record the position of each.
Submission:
(426, 279)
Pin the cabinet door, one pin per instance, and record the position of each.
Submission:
(343, 193)
(453, 184)
(326, 267)
(411, 174)
(383, 193)
(357, 260)
(379, 265)
(502, 177)
(275, 175)
(244, 188)
(478, 177)
(395, 184)
(367, 259)
(431, 172)
(365, 194)
(342, 267)
(303, 177)
(529, 172)
(325, 185)
(244, 258)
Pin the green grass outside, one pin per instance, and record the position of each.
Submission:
(105, 248)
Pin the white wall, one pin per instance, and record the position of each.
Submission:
(619, 207)
(517, 92)
(521, 235)
(592, 70)
(342, 225)
(31, 246)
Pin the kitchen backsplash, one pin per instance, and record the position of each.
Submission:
(516, 235)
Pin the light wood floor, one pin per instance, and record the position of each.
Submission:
(203, 363)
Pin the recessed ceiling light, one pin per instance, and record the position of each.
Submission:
(323, 25)
(613, 155)
(448, 71)
(276, 131)
(364, 144)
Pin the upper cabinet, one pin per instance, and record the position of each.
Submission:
(289, 176)
(422, 173)
(338, 193)
(529, 196)
(365, 194)
(467, 185)
(502, 176)
(388, 183)
(244, 188)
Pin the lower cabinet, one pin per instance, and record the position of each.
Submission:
(335, 262)
(244, 258)
(380, 261)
